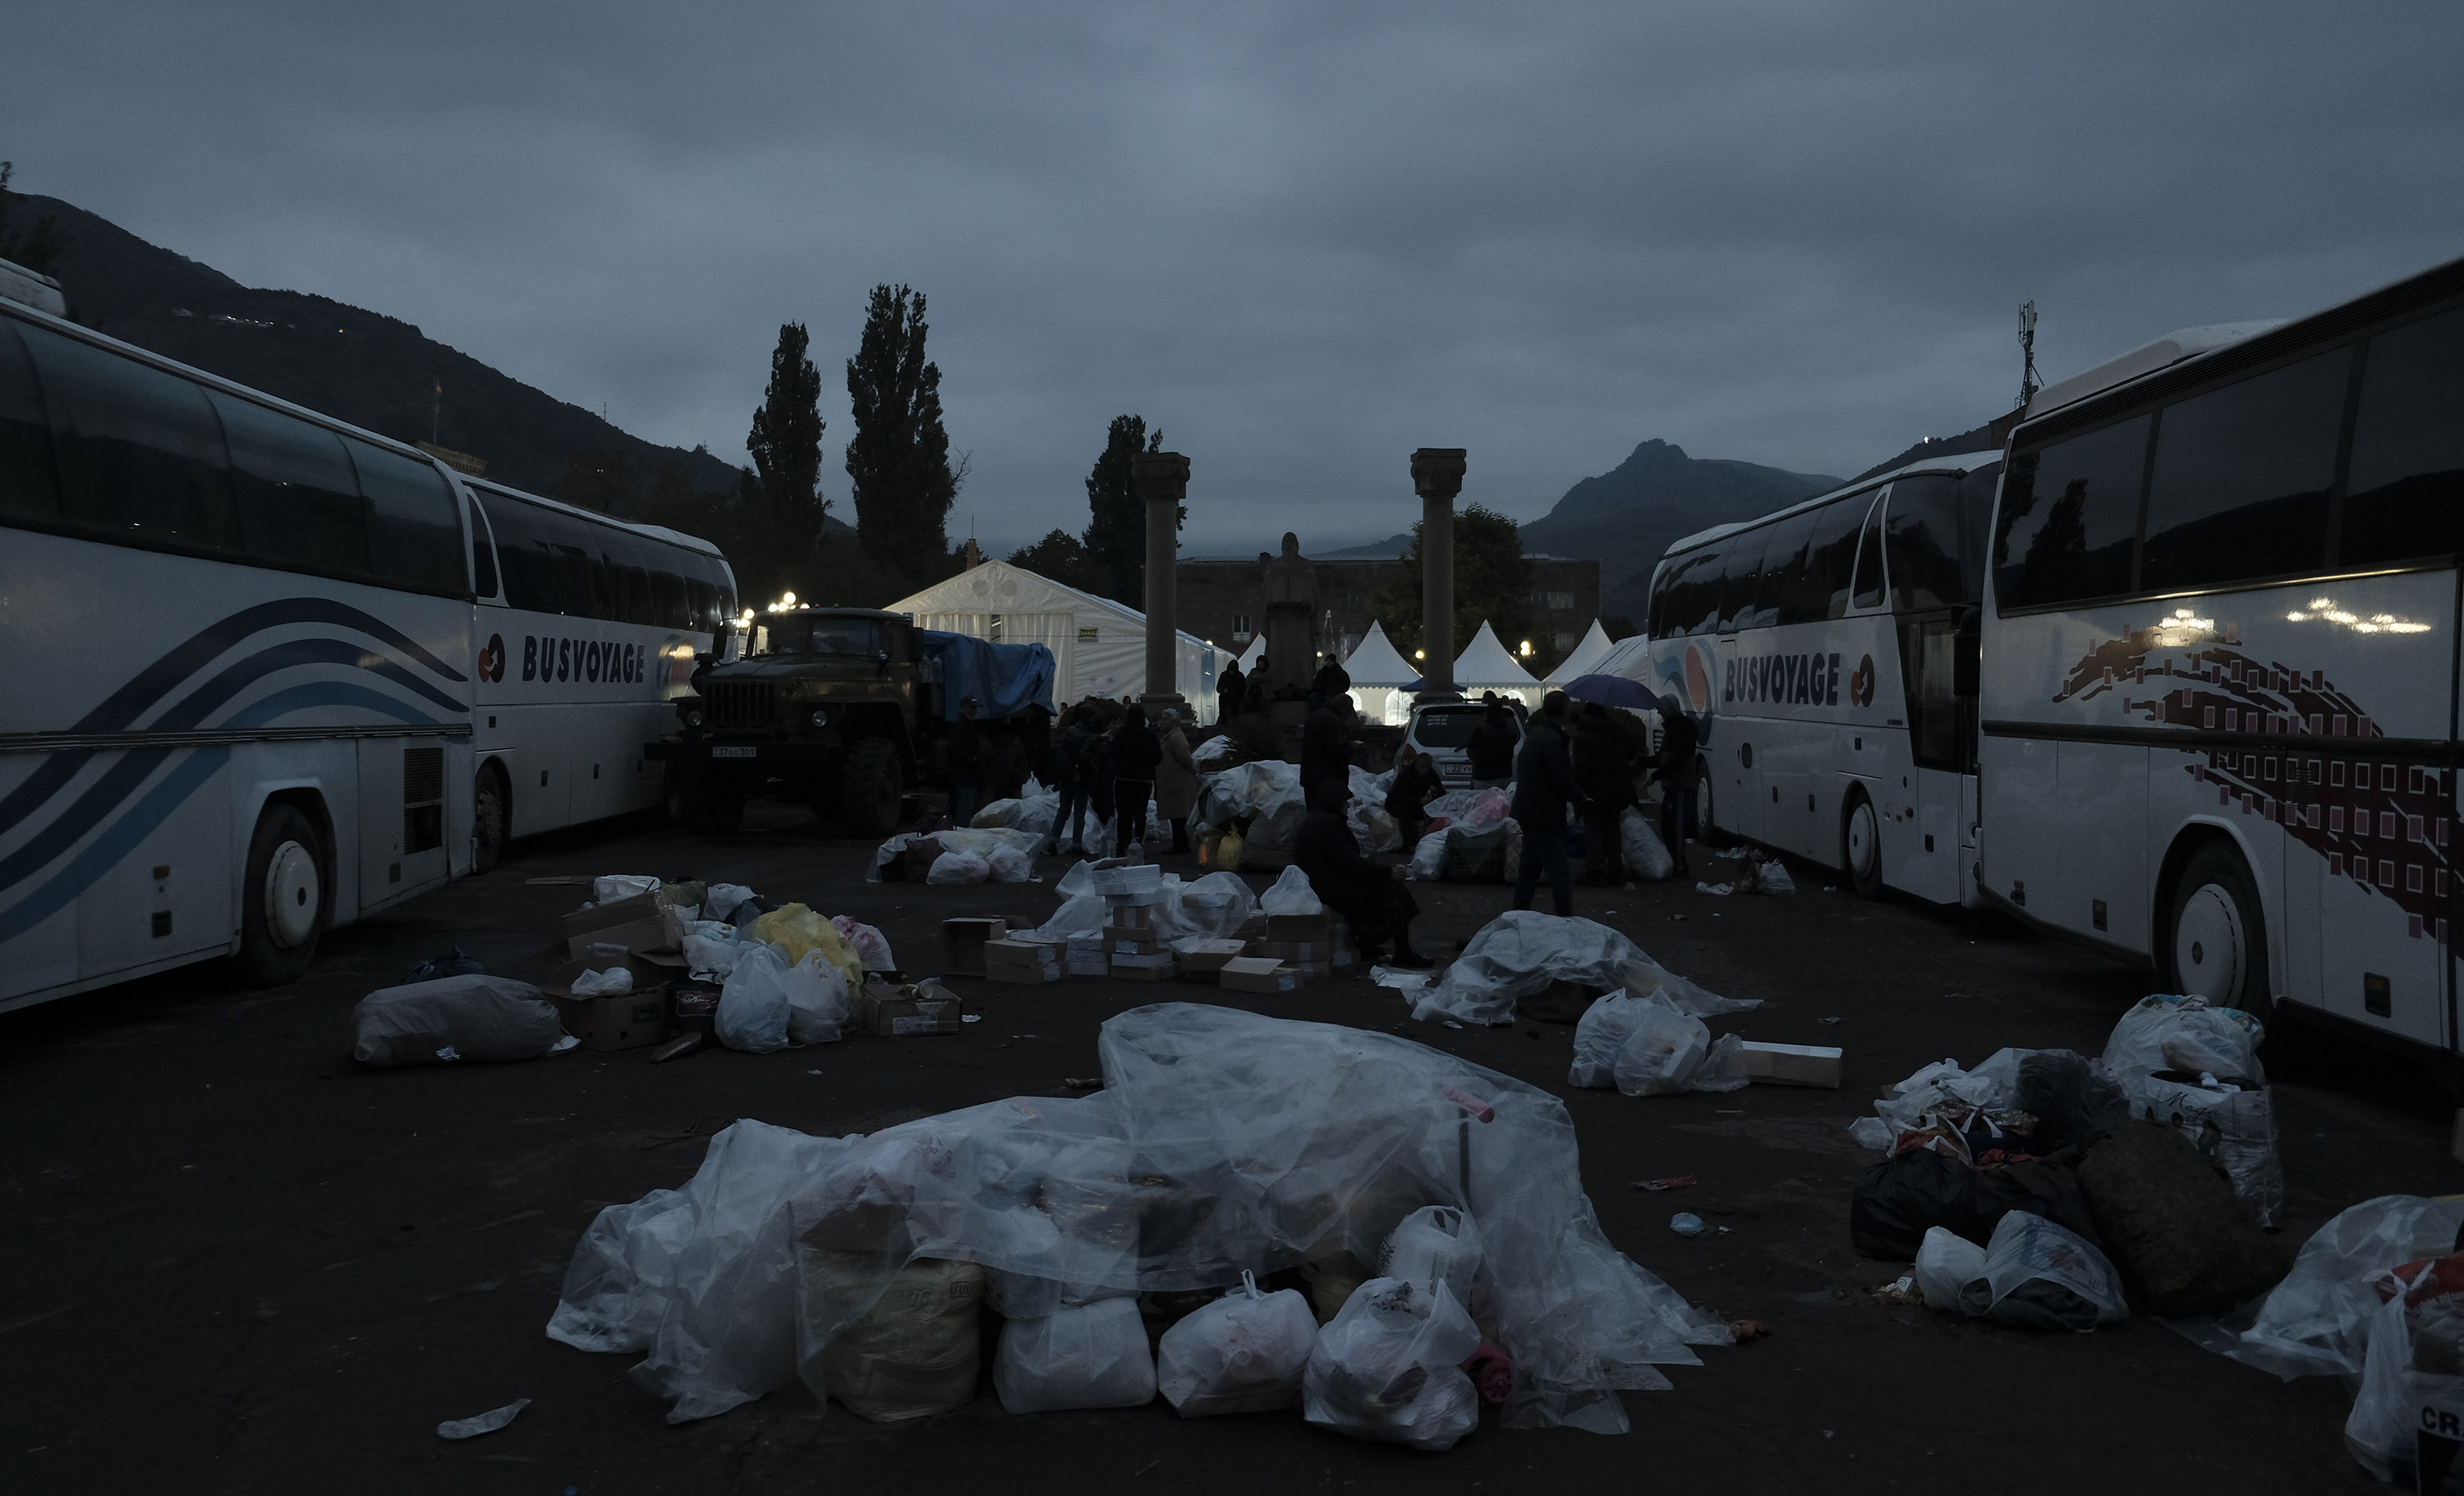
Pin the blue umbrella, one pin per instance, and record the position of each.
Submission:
(1612, 691)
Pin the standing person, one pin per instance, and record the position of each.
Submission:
(1604, 766)
(1679, 735)
(1136, 751)
(1229, 688)
(1491, 747)
(967, 766)
(1373, 898)
(1332, 680)
(1325, 747)
(1071, 751)
(1099, 770)
(1544, 789)
(1415, 785)
(1175, 786)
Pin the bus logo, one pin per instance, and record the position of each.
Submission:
(1861, 684)
(491, 659)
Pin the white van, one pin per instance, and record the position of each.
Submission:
(1441, 729)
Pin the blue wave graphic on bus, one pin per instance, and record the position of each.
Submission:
(149, 686)
(195, 768)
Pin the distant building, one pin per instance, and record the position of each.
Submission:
(1222, 600)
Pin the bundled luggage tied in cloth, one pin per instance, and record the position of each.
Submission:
(1222, 1141)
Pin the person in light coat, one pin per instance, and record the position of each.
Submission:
(1176, 782)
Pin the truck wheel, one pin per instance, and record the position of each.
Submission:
(283, 902)
(1860, 846)
(869, 791)
(710, 806)
(2216, 941)
(488, 820)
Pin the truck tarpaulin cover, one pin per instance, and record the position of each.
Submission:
(1002, 677)
(1223, 1141)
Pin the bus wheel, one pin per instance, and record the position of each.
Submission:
(869, 792)
(708, 805)
(2217, 938)
(282, 909)
(1705, 803)
(487, 821)
(1860, 846)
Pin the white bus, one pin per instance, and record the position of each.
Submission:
(245, 647)
(1829, 650)
(2220, 694)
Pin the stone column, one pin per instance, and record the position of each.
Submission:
(1162, 479)
(1436, 476)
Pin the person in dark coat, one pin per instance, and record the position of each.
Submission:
(1543, 790)
(1604, 766)
(1373, 898)
(1135, 752)
(1325, 747)
(1100, 783)
(968, 765)
(1415, 785)
(1678, 773)
(1491, 747)
(1333, 680)
(1073, 749)
(1229, 688)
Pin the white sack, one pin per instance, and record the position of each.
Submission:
(1947, 1264)
(1242, 1354)
(1087, 1355)
(1009, 864)
(1390, 1368)
(753, 1006)
(1435, 1245)
(954, 868)
(1292, 894)
(1646, 856)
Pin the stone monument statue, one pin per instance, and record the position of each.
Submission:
(1292, 603)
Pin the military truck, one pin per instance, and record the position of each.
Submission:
(848, 710)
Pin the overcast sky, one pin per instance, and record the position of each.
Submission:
(1304, 239)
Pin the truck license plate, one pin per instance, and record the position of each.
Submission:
(735, 753)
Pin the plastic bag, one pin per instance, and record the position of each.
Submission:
(796, 930)
(753, 1008)
(2042, 1277)
(1949, 1266)
(1662, 1050)
(1087, 1356)
(1292, 894)
(722, 899)
(475, 1017)
(1646, 856)
(1643, 976)
(2233, 1129)
(1599, 1038)
(1487, 810)
(2137, 1048)
(954, 868)
(2184, 1245)
(1242, 1354)
(1006, 865)
(1428, 857)
(870, 946)
(1434, 1244)
(1389, 1368)
(1774, 879)
(608, 888)
(915, 1352)
(816, 1000)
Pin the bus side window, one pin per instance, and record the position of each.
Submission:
(629, 572)
(413, 536)
(2239, 487)
(483, 554)
(1869, 557)
(29, 485)
(1831, 557)
(141, 452)
(2404, 492)
(1920, 536)
(522, 554)
(1740, 576)
(2070, 516)
(1783, 578)
(669, 604)
(299, 501)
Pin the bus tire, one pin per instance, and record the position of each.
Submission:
(1860, 846)
(708, 805)
(1705, 804)
(871, 793)
(2215, 941)
(489, 819)
(284, 903)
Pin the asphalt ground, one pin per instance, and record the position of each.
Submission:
(232, 1260)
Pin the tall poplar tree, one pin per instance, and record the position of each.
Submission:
(899, 462)
(779, 510)
(1117, 520)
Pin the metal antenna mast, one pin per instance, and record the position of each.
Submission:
(2028, 382)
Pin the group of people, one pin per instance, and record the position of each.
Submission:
(1239, 693)
(1107, 766)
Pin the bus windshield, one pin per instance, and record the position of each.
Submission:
(826, 633)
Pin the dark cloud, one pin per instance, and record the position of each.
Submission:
(1302, 239)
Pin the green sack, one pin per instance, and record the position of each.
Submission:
(2170, 1223)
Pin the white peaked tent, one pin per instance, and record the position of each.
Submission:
(1381, 678)
(1250, 655)
(1099, 647)
(1486, 666)
(1597, 645)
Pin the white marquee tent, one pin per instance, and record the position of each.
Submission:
(1597, 645)
(1099, 647)
(1487, 665)
(1382, 680)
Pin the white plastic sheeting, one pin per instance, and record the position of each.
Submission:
(1210, 909)
(2317, 1322)
(977, 842)
(1648, 1046)
(1223, 1141)
(1035, 809)
(1268, 789)
(1521, 952)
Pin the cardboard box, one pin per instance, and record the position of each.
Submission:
(1021, 962)
(1315, 929)
(692, 1006)
(1130, 940)
(1085, 956)
(888, 1010)
(1253, 928)
(1290, 950)
(644, 922)
(1139, 916)
(963, 941)
(1207, 957)
(1256, 974)
(625, 1020)
(1022, 975)
(1792, 1064)
(1144, 968)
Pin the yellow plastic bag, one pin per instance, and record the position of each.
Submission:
(796, 929)
(1219, 852)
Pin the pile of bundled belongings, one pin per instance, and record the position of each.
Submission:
(959, 854)
(1252, 1214)
(1262, 799)
(1523, 954)
(1211, 908)
(1470, 838)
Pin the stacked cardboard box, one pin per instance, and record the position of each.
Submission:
(1159, 966)
(1130, 929)
(1086, 955)
(1256, 974)
(963, 941)
(1204, 960)
(1026, 961)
